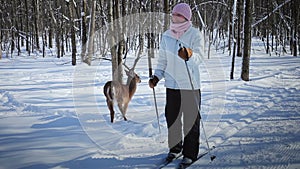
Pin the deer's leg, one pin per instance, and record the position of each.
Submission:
(123, 110)
(110, 106)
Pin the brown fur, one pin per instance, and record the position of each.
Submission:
(120, 93)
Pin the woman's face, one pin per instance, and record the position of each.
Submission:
(177, 18)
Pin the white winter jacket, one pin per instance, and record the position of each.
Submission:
(171, 67)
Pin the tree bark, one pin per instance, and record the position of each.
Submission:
(88, 59)
(0, 44)
(247, 41)
(36, 21)
(27, 27)
(239, 26)
(166, 11)
(295, 17)
(83, 29)
(73, 37)
(112, 40)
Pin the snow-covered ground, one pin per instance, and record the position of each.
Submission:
(54, 115)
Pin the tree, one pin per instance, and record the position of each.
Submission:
(73, 36)
(166, 11)
(24, 22)
(36, 22)
(233, 38)
(247, 40)
(0, 44)
(240, 15)
(295, 25)
(27, 27)
(88, 59)
(83, 28)
(113, 40)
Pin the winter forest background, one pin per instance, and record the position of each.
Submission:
(63, 26)
(56, 56)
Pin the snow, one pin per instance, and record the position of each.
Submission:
(54, 115)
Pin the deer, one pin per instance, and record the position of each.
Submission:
(121, 93)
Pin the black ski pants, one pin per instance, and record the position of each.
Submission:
(183, 121)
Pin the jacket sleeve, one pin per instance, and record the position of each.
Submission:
(197, 47)
(162, 60)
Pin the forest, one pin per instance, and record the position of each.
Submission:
(57, 55)
(101, 29)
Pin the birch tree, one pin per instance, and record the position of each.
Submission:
(88, 59)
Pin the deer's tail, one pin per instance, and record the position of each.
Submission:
(107, 90)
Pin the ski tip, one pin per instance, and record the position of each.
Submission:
(212, 158)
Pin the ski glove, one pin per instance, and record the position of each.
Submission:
(185, 53)
(153, 81)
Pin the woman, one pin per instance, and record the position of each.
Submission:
(181, 49)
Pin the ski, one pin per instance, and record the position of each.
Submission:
(183, 166)
(165, 162)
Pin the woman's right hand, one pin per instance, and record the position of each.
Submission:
(153, 81)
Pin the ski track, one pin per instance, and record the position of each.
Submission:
(256, 129)
(253, 124)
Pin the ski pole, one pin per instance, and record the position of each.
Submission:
(212, 157)
(154, 95)
(155, 103)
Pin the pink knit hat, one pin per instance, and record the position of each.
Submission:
(184, 10)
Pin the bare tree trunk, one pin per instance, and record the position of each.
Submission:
(112, 40)
(267, 24)
(233, 61)
(0, 44)
(44, 43)
(88, 60)
(1, 26)
(121, 45)
(233, 38)
(115, 28)
(151, 35)
(36, 22)
(166, 11)
(230, 26)
(62, 27)
(239, 25)
(295, 17)
(73, 37)
(83, 29)
(210, 40)
(141, 29)
(12, 29)
(27, 27)
(247, 41)
(120, 40)
(50, 34)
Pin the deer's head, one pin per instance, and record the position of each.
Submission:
(132, 75)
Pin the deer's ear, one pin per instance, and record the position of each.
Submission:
(127, 72)
(130, 73)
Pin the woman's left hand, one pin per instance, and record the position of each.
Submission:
(185, 53)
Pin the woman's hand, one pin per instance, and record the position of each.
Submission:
(153, 81)
(185, 53)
